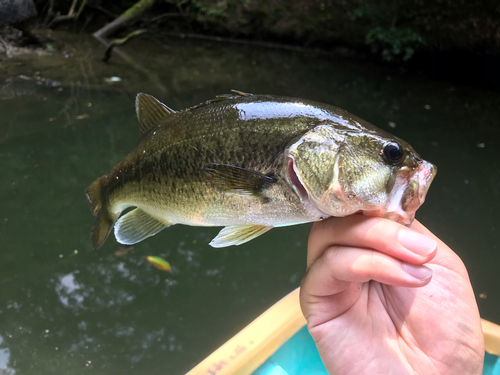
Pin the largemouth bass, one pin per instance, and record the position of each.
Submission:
(251, 163)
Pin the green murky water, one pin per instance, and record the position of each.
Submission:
(68, 309)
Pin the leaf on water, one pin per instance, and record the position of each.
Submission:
(112, 79)
(159, 263)
(124, 250)
(81, 117)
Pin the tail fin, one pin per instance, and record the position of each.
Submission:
(93, 193)
(105, 220)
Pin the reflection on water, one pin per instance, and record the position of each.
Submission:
(4, 360)
(65, 307)
(67, 288)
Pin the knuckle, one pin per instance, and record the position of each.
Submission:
(373, 227)
(322, 232)
(376, 261)
(382, 232)
(331, 256)
(323, 225)
(315, 231)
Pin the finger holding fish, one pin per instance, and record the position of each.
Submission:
(397, 241)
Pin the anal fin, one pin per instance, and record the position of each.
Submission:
(137, 225)
(238, 234)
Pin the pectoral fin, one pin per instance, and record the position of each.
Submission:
(238, 234)
(137, 225)
(239, 181)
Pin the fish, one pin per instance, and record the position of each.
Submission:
(250, 163)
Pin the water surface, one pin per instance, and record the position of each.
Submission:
(68, 309)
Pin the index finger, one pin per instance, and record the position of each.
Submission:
(374, 233)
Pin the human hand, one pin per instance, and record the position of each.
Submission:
(372, 306)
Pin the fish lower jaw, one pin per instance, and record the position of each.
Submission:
(426, 174)
(408, 194)
(399, 216)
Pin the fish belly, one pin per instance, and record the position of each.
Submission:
(202, 206)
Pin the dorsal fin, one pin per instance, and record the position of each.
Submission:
(234, 93)
(241, 93)
(150, 112)
(220, 98)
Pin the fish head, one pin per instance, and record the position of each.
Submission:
(344, 171)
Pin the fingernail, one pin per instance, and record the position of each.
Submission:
(415, 242)
(418, 272)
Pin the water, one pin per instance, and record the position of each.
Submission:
(68, 309)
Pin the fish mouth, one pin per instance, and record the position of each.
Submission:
(408, 193)
(406, 196)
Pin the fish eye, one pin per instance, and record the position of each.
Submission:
(392, 153)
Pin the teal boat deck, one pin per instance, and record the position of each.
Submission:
(299, 356)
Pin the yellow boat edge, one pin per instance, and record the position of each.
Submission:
(491, 333)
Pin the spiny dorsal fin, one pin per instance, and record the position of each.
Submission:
(238, 234)
(219, 98)
(234, 93)
(239, 181)
(136, 226)
(241, 93)
(150, 112)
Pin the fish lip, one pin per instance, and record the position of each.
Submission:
(405, 198)
(427, 172)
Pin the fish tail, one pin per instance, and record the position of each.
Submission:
(93, 193)
(100, 208)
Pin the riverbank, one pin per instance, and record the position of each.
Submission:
(458, 43)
